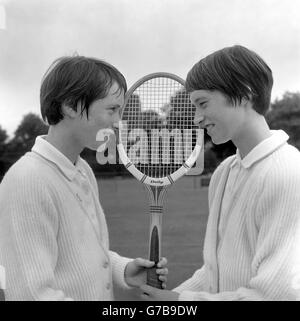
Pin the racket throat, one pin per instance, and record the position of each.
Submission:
(156, 199)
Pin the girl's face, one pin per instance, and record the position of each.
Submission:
(103, 114)
(222, 120)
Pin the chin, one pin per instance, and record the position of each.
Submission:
(93, 147)
(219, 141)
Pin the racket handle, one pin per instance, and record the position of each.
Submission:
(152, 277)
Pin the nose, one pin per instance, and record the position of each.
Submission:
(198, 118)
(116, 118)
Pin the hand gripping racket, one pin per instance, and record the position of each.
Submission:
(158, 143)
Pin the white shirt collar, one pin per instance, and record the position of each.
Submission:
(52, 154)
(263, 149)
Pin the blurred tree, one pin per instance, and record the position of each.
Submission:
(133, 119)
(150, 119)
(31, 126)
(285, 114)
(223, 151)
(180, 111)
(3, 139)
(210, 159)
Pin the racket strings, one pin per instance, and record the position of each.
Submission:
(159, 134)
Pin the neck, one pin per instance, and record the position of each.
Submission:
(64, 141)
(253, 132)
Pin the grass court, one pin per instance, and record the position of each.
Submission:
(125, 203)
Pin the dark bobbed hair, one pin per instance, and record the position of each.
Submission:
(73, 80)
(238, 73)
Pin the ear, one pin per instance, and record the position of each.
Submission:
(68, 111)
(247, 102)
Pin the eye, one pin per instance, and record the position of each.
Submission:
(113, 109)
(202, 105)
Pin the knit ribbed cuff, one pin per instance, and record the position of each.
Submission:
(119, 264)
(186, 296)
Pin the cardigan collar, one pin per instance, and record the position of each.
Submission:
(52, 154)
(263, 149)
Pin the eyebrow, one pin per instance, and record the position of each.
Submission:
(200, 99)
(114, 105)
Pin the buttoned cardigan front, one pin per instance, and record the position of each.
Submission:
(54, 241)
(252, 242)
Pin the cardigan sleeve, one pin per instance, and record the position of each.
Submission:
(195, 283)
(30, 223)
(119, 264)
(275, 265)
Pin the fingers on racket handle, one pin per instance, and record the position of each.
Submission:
(152, 278)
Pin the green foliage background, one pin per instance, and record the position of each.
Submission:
(284, 114)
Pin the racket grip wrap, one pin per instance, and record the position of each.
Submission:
(152, 278)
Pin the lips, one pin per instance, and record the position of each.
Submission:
(209, 126)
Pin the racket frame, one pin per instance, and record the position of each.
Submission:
(156, 186)
(187, 165)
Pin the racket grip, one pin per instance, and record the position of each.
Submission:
(152, 278)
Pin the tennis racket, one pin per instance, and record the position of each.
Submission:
(158, 143)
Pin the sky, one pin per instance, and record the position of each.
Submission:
(138, 37)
